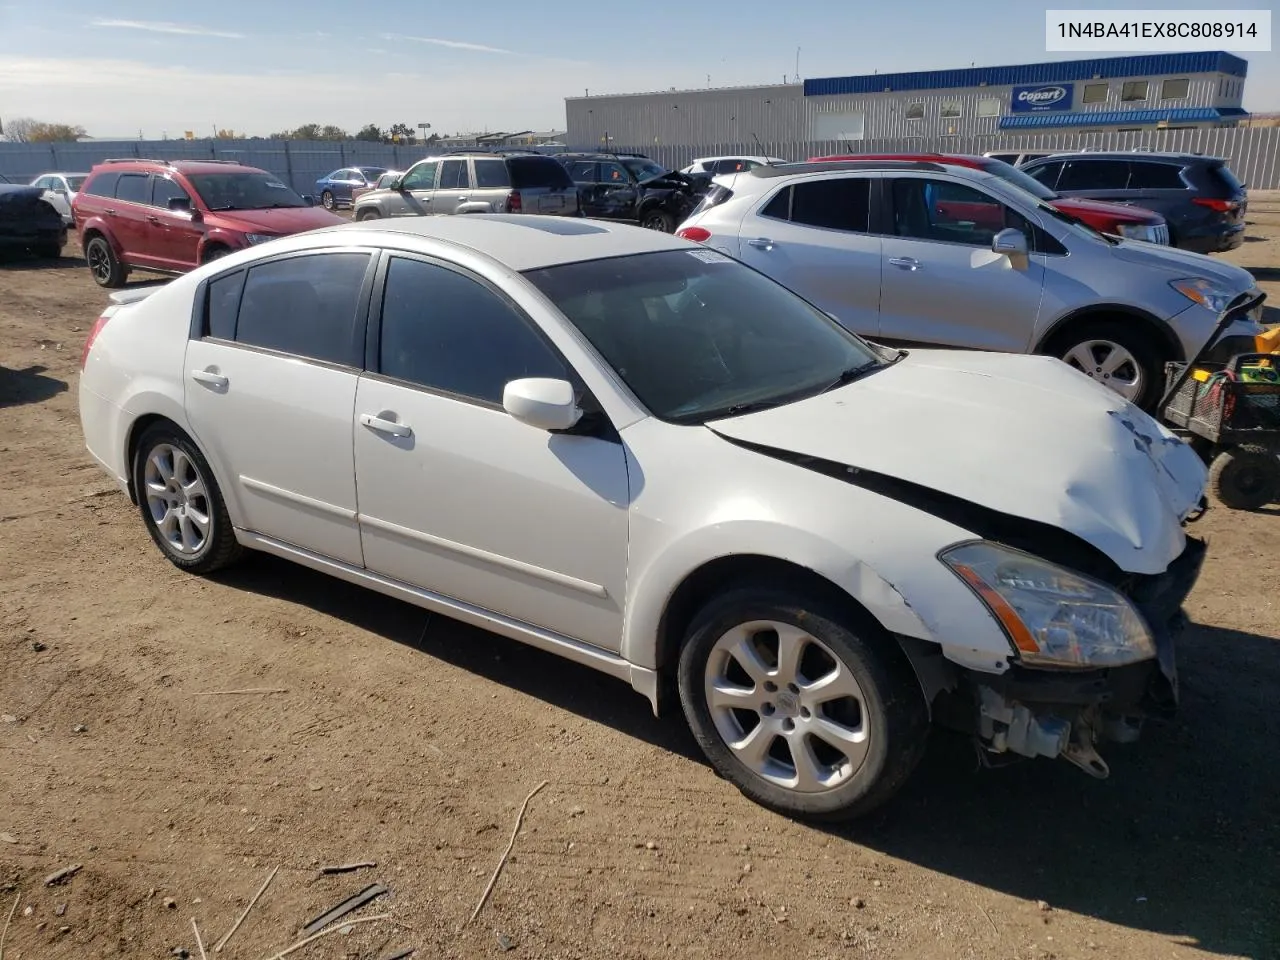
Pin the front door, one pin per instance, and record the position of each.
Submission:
(458, 498)
(270, 394)
(176, 238)
(413, 199)
(942, 284)
(814, 238)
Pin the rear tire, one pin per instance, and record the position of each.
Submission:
(1245, 477)
(1117, 356)
(181, 505)
(215, 252)
(104, 265)
(807, 710)
(658, 220)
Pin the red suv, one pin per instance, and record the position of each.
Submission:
(172, 217)
(1117, 219)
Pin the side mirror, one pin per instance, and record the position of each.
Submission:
(543, 403)
(180, 204)
(397, 184)
(1012, 244)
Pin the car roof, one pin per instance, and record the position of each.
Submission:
(841, 166)
(180, 166)
(954, 159)
(522, 241)
(1132, 155)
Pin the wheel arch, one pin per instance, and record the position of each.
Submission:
(1158, 330)
(96, 228)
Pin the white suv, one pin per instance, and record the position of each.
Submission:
(928, 253)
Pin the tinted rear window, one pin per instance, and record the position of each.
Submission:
(1155, 176)
(532, 172)
(103, 185)
(491, 173)
(134, 188)
(1227, 177)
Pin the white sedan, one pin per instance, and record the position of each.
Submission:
(637, 453)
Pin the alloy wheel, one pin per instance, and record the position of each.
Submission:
(100, 262)
(1110, 364)
(177, 500)
(786, 706)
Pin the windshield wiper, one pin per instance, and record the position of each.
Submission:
(847, 377)
(750, 407)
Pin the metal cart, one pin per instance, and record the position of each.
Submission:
(1229, 412)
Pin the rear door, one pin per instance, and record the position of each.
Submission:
(1157, 186)
(453, 186)
(492, 183)
(131, 218)
(942, 282)
(814, 237)
(270, 393)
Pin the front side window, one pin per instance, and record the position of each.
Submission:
(445, 331)
(244, 190)
(453, 175)
(1046, 173)
(163, 190)
(1134, 90)
(945, 212)
(305, 306)
(697, 336)
(421, 177)
(612, 172)
(134, 188)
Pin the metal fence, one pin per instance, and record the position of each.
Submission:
(1251, 151)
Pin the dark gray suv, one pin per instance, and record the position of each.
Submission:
(1200, 197)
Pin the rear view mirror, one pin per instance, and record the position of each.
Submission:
(543, 403)
(1012, 244)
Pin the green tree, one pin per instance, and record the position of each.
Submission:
(371, 132)
(29, 130)
(402, 133)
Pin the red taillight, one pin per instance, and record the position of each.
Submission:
(696, 234)
(93, 335)
(1218, 206)
(514, 203)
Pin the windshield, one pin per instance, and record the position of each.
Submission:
(243, 191)
(643, 169)
(75, 183)
(1018, 178)
(697, 336)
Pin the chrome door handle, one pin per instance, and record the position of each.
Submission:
(385, 426)
(761, 243)
(910, 263)
(212, 379)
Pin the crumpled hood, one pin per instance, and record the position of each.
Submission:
(1182, 264)
(279, 221)
(1023, 435)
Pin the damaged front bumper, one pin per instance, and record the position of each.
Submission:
(1067, 713)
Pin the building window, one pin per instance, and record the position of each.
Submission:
(1134, 90)
(950, 109)
(989, 107)
(1129, 130)
(1175, 89)
(915, 111)
(1095, 93)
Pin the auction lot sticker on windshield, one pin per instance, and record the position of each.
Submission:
(709, 256)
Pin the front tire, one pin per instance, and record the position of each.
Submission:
(368, 213)
(658, 220)
(182, 507)
(326, 198)
(1117, 356)
(104, 265)
(806, 709)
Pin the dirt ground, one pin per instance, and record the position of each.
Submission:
(411, 742)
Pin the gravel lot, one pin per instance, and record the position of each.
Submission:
(412, 741)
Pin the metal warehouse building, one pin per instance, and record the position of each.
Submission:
(1167, 91)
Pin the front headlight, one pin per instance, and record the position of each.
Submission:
(1207, 293)
(1053, 616)
(1137, 231)
(256, 238)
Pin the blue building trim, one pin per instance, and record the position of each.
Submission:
(1119, 118)
(1063, 71)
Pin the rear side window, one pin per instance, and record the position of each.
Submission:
(305, 306)
(103, 185)
(493, 173)
(453, 175)
(528, 173)
(583, 171)
(1155, 176)
(1095, 175)
(1046, 174)
(222, 301)
(444, 331)
(134, 188)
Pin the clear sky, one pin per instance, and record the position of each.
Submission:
(261, 65)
